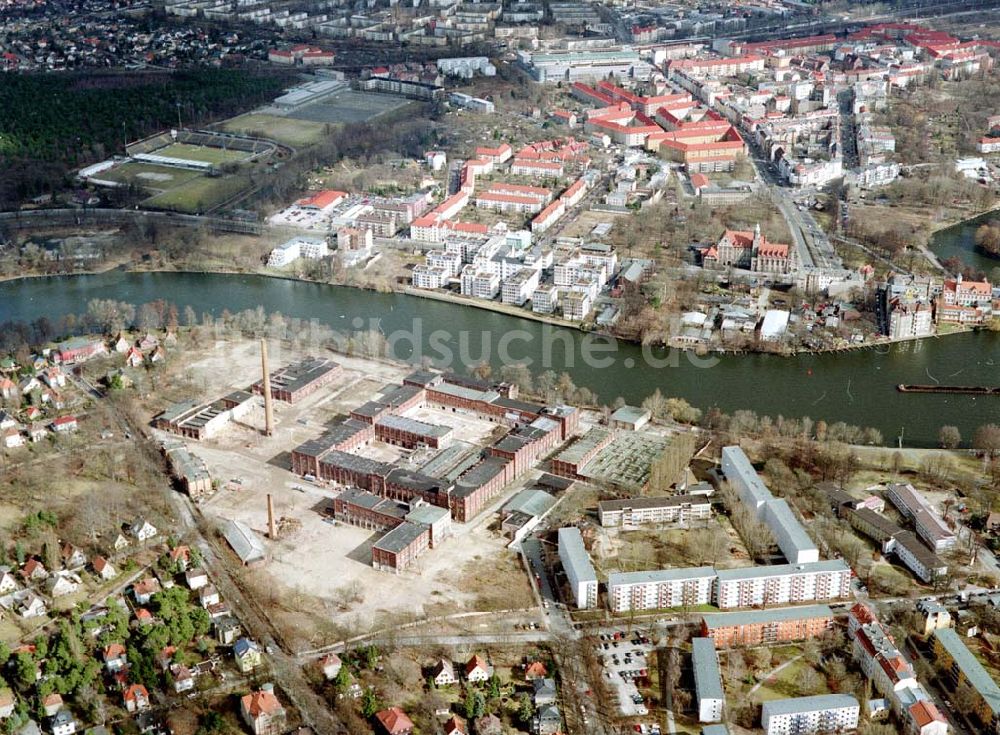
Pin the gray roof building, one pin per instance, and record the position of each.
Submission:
(245, 542)
(707, 679)
(973, 671)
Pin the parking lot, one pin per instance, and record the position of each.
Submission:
(626, 662)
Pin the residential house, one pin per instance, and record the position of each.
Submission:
(548, 720)
(134, 357)
(62, 723)
(181, 556)
(935, 615)
(247, 654)
(263, 713)
(104, 569)
(120, 543)
(489, 725)
(476, 670)
(37, 432)
(393, 721)
(64, 425)
(144, 589)
(331, 665)
(8, 582)
(227, 630)
(8, 388)
(31, 606)
(7, 703)
(183, 678)
(7, 421)
(443, 673)
(62, 583)
(115, 658)
(535, 670)
(52, 704)
(196, 578)
(73, 557)
(34, 571)
(454, 726)
(136, 698)
(208, 595)
(142, 530)
(120, 344)
(12, 439)
(544, 692)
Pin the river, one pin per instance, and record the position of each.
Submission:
(960, 241)
(856, 387)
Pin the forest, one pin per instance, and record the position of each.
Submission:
(50, 125)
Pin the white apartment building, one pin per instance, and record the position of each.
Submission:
(545, 300)
(509, 203)
(780, 584)
(450, 262)
(579, 571)
(707, 680)
(313, 248)
(518, 288)
(660, 589)
(576, 305)
(645, 510)
(429, 276)
(807, 715)
(743, 477)
(479, 284)
(792, 538)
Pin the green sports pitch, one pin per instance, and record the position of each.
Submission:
(204, 154)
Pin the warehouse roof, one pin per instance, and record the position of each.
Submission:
(533, 501)
(244, 542)
(413, 426)
(579, 449)
(401, 537)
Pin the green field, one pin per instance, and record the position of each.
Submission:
(148, 176)
(202, 153)
(199, 194)
(296, 133)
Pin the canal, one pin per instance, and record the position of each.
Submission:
(857, 387)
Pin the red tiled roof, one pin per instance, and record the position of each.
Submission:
(394, 720)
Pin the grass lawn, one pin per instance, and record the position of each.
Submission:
(296, 133)
(200, 194)
(202, 153)
(787, 683)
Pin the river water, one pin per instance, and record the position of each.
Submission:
(960, 241)
(856, 387)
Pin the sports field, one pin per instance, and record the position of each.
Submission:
(149, 176)
(202, 153)
(296, 133)
(200, 194)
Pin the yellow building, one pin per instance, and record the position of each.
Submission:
(955, 659)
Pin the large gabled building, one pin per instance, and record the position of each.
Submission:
(576, 563)
(963, 668)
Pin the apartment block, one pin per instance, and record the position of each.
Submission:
(648, 510)
(782, 584)
(707, 680)
(767, 627)
(579, 571)
(660, 589)
(962, 667)
(807, 715)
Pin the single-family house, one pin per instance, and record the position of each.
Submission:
(61, 584)
(73, 557)
(443, 673)
(120, 543)
(52, 704)
(394, 721)
(7, 703)
(247, 654)
(455, 725)
(29, 385)
(263, 712)
(535, 670)
(8, 582)
(136, 698)
(134, 357)
(37, 431)
(157, 355)
(181, 556)
(7, 420)
(331, 665)
(227, 630)
(8, 388)
(142, 530)
(120, 344)
(31, 606)
(64, 425)
(62, 723)
(115, 658)
(544, 692)
(548, 720)
(165, 658)
(183, 678)
(477, 670)
(196, 578)
(13, 438)
(104, 569)
(31, 413)
(148, 342)
(143, 616)
(33, 570)
(208, 595)
(145, 588)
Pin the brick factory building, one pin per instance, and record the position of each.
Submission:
(399, 548)
(296, 381)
